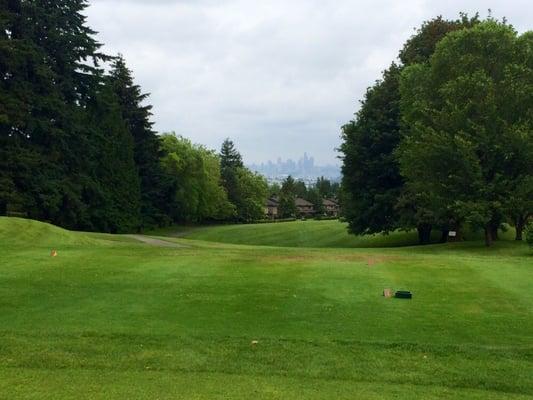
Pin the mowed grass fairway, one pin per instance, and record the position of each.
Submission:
(311, 233)
(112, 318)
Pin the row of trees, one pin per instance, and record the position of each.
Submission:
(77, 147)
(445, 138)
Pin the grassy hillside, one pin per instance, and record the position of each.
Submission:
(300, 234)
(110, 318)
(18, 231)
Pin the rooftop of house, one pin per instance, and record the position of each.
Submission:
(330, 202)
(302, 202)
(271, 203)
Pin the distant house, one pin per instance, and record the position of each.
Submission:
(304, 208)
(331, 207)
(271, 208)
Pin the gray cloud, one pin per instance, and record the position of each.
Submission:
(278, 77)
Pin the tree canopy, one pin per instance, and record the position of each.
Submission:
(287, 203)
(194, 171)
(444, 139)
(468, 128)
(77, 145)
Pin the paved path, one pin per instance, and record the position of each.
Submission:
(155, 242)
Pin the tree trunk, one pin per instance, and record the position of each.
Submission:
(494, 231)
(444, 236)
(424, 233)
(488, 236)
(3, 208)
(519, 227)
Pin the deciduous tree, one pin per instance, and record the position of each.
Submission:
(467, 136)
(371, 182)
(198, 194)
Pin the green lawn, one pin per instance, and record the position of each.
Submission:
(309, 233)
(110, 318)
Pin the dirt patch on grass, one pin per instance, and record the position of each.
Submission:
(371, 260)
(290, 258)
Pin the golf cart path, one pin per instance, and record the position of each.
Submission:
(156, 242)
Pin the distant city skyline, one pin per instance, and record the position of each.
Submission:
(305, 169)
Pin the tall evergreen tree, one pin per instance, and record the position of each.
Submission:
(287, 204)
(246, 190)
(146, 143)
(300, 189)
(14, 56)
(324, 187)
(33, 111)
(50, 67)
(230, 158)
(230, 163)
(72, 54)
(115, 174)
(314, 196)
(60, 158)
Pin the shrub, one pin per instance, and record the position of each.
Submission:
(325, 218)
(272, 221)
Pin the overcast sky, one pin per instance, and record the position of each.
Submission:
(279, 77)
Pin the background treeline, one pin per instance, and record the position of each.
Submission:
(77, 147)
(445, 138)
(290, 189)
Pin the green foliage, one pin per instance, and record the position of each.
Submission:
(274, 189)
(374, 195)
(529, 234)
(315, 196)
(114, 205)
(196, 180)
(274, 221)
(146, 144)
(230, 163)
(326, 188)
(77, 146)
(230, 158)
(300, 190)
(469, 141)
(371, 179)
(252, 192)
(246, 190)
(287, 205)
(420, 47)
(24, 135)
(67, 155)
